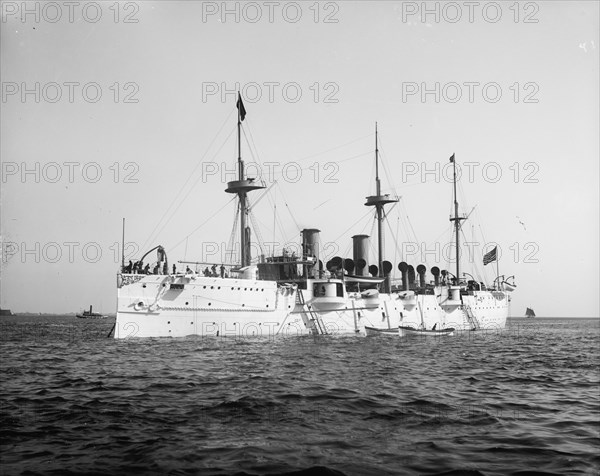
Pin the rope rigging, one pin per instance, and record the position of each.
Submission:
(198, 164)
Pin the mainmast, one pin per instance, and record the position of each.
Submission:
(242, 186)
(379, 201)
(456, 219)
(123, 248)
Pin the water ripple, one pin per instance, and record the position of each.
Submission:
(523, 401)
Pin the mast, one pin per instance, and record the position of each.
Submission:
(379, 209)
(379, 201)
(244, 261)
(241, 187)
(123, 247)
(456, 219)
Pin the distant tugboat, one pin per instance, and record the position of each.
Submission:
(529, 313)
(91, 315)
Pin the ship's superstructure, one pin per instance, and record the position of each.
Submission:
(351, 294)
(295, 295)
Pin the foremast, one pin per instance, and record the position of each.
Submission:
(379, 201)
(456, 219)
(241, 187)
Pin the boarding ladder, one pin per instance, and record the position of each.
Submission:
(318, 326)
(474, 323)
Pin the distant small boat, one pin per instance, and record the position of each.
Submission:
(411, 331)
(374, 331)
(91, 315)
(5, 312)
(529, 313)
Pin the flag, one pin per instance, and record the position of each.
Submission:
(491, 256)
(452, 158)
(241, 108)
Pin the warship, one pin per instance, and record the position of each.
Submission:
(298, 294)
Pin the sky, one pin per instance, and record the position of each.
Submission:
(115, 110)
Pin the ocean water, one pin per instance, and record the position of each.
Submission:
(522, 401)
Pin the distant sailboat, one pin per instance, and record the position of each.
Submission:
(529, 312)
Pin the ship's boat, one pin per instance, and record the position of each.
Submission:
(411, 331)
(374, 331)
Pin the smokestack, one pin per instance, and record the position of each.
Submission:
(310, 247)
(436, 275)
(360, 251)
(403, 268)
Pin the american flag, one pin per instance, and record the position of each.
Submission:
(491, 256)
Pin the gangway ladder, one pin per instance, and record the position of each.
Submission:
(314, 317)
(474, 323)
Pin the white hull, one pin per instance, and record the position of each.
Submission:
(179, 306)
(191, 305)
(354, 314)
(480, 310)
(334, 311)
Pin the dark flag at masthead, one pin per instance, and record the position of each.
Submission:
(241, 108)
